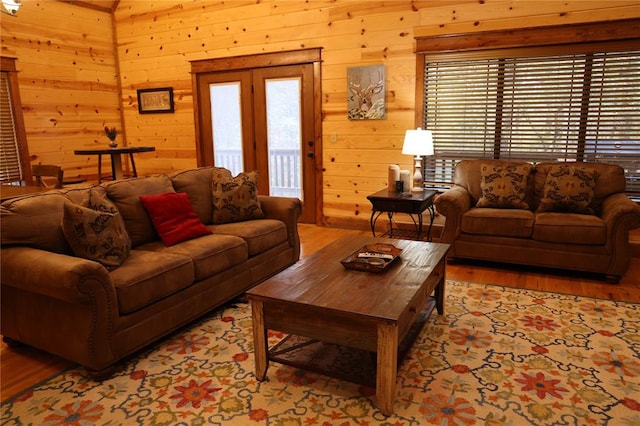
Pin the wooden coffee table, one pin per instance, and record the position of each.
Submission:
(319, 298)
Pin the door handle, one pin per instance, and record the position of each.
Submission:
(310, 154)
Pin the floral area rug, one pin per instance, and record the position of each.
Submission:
(499, 356)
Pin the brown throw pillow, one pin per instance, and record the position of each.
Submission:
(96, 199)
(235, 198)
(569, 188)
(504, 186)
(96, 231)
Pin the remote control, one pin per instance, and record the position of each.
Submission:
(375, 255)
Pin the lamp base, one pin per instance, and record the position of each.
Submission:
(417, 176)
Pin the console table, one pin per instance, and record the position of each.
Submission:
(13, 191)
(411, 203)
(116, 158)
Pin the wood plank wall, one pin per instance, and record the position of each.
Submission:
(156, 40)
(68, 80)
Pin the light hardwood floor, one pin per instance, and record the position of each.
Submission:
(23, 367)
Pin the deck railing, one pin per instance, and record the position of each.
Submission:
(284, 169)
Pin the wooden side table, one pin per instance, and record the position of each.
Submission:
(411, 203)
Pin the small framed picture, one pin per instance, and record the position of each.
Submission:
(158, 100)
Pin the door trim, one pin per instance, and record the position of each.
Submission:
(262, 60)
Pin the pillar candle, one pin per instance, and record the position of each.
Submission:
(405, 176)
(394, 175)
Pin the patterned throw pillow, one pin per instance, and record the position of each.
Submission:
(96, 231)
(96, 199)
(504, 186)
(235, 198)
(568, 188)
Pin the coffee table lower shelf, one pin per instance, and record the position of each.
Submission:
(339, 361)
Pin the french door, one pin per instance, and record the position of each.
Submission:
(262, 119)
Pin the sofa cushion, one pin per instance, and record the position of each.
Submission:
(570, 228)
(197, 184)
(569, 188)
(210, 254)
(504, 186)
(35, 221)
(126, 193)
(96, 231)
(498, 222)
(235, 199)
(260, 234)
(146, 277)
(173, 217)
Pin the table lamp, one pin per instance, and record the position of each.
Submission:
(418, 142)
(10, 7)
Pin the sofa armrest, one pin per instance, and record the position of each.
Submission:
(619, 206)
(452, 204)
(288, 210)
(61, 304)
(620, 214)
(56, 275)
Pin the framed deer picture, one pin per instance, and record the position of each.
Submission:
(365, 92)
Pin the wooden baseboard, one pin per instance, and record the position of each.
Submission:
(635, 248)
(634, 242)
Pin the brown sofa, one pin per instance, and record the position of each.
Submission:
(594, 240)
(94, 315)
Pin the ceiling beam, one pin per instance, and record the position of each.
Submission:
(100, 5)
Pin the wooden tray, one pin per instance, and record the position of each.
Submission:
(371, 264)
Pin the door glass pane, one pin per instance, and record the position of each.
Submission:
(227, 126)
(284, 133)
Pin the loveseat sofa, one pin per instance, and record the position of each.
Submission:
(95, 274)
(572, 216)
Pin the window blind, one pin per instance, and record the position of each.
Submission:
(10, 166)
(544, 107)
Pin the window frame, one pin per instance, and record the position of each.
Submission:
(8, 65)
(552, 40)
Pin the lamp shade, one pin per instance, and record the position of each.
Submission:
(418, 142)
(11, 6)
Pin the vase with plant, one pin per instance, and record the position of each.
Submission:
(111, 133)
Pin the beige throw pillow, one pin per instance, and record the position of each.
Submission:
(235, 198)
(569, 188)
(504, 186)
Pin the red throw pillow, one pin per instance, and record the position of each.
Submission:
(173, 217)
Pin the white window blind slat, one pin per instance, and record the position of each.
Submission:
(568, 107)
(10, 166)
